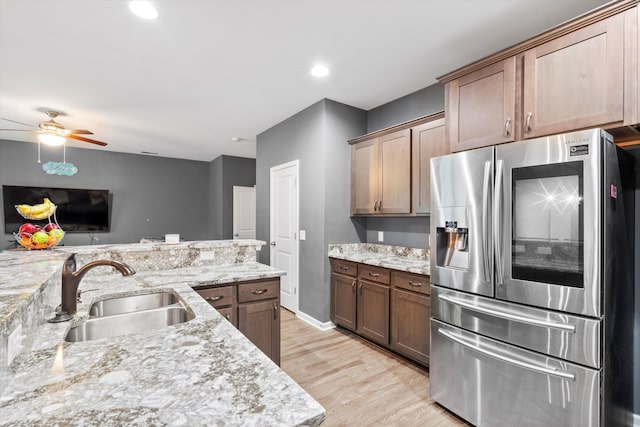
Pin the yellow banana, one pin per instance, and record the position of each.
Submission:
(40, 211)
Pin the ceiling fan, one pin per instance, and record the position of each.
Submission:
(53, 133)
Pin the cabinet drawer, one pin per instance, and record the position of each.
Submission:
(410, 282)
(218, 297)
(340, 266)
(258, 291)
(374, 274)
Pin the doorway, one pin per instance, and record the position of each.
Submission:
(244, 212)
(284, 222)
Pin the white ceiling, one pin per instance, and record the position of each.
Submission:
(209, 70)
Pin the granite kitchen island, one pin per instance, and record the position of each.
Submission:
(202, 372)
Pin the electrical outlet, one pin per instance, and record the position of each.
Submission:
(380, 236)
(303, 234)
(14, 344)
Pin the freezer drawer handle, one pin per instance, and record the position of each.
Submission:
(509, 316)
(547, 371)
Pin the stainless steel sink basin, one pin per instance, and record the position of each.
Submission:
(129, 315)
(129, 323)
(128, 304)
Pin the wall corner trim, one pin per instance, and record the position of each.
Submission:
(315, 322)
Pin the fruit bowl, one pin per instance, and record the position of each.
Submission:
(37, 238)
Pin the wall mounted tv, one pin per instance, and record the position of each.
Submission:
(79, 211)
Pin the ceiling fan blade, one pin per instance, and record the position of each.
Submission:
(20, 123)
(78, 132)
(92, 141)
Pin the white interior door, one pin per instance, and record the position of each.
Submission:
(284, 212)
(244, 212)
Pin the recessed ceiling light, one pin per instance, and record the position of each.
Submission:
(320, 71)
(143, 9)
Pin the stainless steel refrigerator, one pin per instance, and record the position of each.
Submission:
(532, 282)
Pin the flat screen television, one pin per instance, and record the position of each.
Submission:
(79, 211)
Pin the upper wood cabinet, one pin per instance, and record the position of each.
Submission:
(381, 174)
(480, 107)
(390, 169)
(365, 163)
(427, 141)
(575, 81)
(581, 74)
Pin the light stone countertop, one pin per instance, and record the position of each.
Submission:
(202, 372)
(394, 257)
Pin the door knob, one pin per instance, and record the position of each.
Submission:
(272, 243)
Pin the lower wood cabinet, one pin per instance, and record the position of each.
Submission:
(254, 308)
(260, 322)
(373, 311)
(391, 308)
(343, 300)
(410, 324)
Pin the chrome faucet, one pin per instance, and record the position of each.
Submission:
(71, 281)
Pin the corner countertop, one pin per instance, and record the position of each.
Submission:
(202, 372)
(399, 258)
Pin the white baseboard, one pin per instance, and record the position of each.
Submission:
(636, 419)
(315, 322)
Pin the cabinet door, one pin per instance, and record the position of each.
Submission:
(395, 173)
(373, 312)
(343, 301)
(365, 158)
(480, 107)
(575, 81)
(427, 141)
(410, 324)
(260, 322)
(229, 313)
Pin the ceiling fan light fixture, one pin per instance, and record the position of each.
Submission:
(143, 9)
(52, 140)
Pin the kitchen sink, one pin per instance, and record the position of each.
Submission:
(128, 304)
(130, 315)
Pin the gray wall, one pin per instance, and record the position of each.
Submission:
(417, 104)
(215, 198)
(316, 136)
(410, 232)
(151, 196)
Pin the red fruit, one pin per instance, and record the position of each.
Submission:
(27, 228)
(50, 226)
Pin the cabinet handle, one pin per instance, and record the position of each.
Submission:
(374, 274)
(528, 125)
(353, 286)
(360, 287)
(228, 317)
(216, 298)
(416, 284)
(344, 268)
(375, 205)
(275, 311)
(506, 127)
(258, 291)
(380, 205)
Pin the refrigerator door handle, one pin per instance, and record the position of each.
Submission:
(565, 375)
(497, 224)
(509, 316)
(486, 247)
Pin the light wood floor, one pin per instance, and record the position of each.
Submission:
(358, 383)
